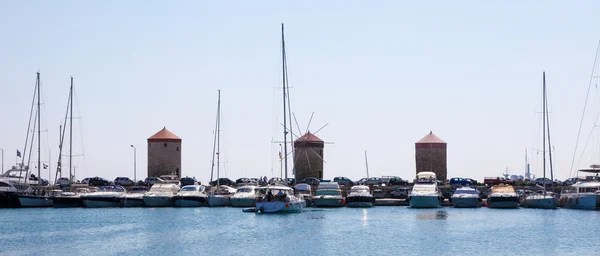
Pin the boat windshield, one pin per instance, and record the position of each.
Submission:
(466, 191)
(111, 189)
(244, 190)
(328, 193)
(189, 189)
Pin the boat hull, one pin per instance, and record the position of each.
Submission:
(9, 200)
(219, 200)
(580, 201)
(540, 203)
(328, 202)
(67, 201)
(132, 202)
(465, 202)
(100, 202)
(503, 202)
(35, 201)
(280, 207)
(360, 201)
(424, 201)
(159, 201)
(243, 202)
(190, 201)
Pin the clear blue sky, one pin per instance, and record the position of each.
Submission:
(382, 74)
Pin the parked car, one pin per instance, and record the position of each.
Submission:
(277, 181)
(222, 181)
(386, 179)
(151, 180)
(542, 181)
(311, 181)
(361, 181)
(398, 181)
(124, 181)
(491, 181)
(460, 182)
(374, 181)
(291, 182)
(474, 182)
(570, 181)
(378, 193)
(97, 181)
(85, 181)
(401, 193)
(63, 181)
(343, 181)
(185, 181)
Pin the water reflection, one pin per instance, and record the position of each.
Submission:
(365, 217)
(439, 215)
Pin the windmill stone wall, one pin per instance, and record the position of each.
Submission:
(308, 157)
(164, 154)
(430, 156)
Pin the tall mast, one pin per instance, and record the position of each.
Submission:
(71, 132)
(367, 164)
(218, 134)
(544, 128)
(549, 143)
(212, 168)
(39, 128)
(285, 132)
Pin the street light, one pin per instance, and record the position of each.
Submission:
(134, 163)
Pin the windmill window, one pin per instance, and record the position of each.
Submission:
(165, 145)
(177, 148)
(321, 152)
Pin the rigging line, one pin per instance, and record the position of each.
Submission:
(584, 108)
(31, 145)
(80, 121)
(29, 127)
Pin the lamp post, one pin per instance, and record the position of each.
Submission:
(134, 163)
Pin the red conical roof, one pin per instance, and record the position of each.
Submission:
(430, 138)
(164, 135)
(309, 137)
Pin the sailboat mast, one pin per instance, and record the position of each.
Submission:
(285, 132)
(39, 128)
(71, 132)
(544, 128)
(218, 134)
(549, 143)
(212, 168)
(367, 164)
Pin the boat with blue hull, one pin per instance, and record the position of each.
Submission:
(279, 199)
(465, 197)
(584, 194)
(425, 193)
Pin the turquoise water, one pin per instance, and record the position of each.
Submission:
(229, 231)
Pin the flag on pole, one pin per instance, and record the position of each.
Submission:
(18, 153)
(280, 156)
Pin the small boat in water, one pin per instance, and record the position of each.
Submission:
(70, 199)
(425, 193)
(245, 196)
(503, 196)
(161, 195)
(105, 196)
(191, 196)
(360, 196)
(135, 198)
(304, 190)
(279, 199)
(221, 196)
(328, 195)
(465, 197)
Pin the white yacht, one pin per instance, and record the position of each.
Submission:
(465, 197)
(70, 199)
(304, 190)
(279, 199)
(191, 196)
(135, 198)
(586, 193)
(161, 195)
(541, 200)
(503, 196)
(425, 193)
(245, 196)
(221, 196)
(39, 198)
(328, 195)
(360, 196)
(106, 196)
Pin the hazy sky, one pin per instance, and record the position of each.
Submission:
(382, 74)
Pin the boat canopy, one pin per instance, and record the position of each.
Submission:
(328, 185)
(246, 189)
(164, 187)
(426, 175)
(503, 189)
(302, 186)
(111, 188)
(594, 168)
(193, 188)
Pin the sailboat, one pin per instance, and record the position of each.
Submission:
(38, 197)
(546, 200)
(281, 199)
(221, 196)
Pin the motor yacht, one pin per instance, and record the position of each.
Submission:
(8, 194)
(304, 190)
(425, 193)
(465, 197)
(105, 196)
(221, 196)
(38, 198)
(161, 195)
(585, 193)
(279, 199)
(502, 196)
(328, 194)
(70, 199)
(191, 196)
(360, 196)
(245, 196)
(135, 198)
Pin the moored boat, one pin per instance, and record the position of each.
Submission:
(279, 199)
(105, 196)
(8, 195)
(245, 196)
(304, 190)
(39, 198)
(135, 198)
(425, 193)
(328, 194)
(161, 195)
(221, 196)
(465, 197)
(191, 196)
(360, 196)
(70, 199)
(585, 194)
(502, 196)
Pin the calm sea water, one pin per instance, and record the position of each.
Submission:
(229, 231)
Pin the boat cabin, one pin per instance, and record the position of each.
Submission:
(426, 177)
